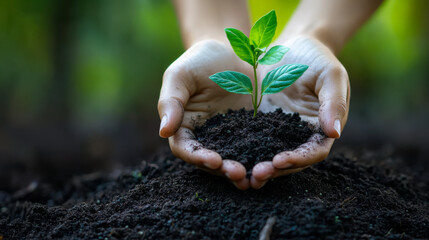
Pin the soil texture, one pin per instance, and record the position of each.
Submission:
(238, 136)
(165, 198)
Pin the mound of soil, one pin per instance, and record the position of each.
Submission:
(238, 136)
(164, 198)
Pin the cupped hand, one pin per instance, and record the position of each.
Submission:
(188, 97)
(321, 96)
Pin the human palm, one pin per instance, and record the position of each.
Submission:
(321, 96)
(188, 97)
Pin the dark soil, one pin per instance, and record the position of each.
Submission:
(238, 136)
(165, 198)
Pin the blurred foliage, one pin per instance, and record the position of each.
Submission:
(388, 59)
(106, 58)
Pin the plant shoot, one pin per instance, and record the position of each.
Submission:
(250, 49)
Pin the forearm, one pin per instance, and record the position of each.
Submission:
(207, 19)
(333, 22)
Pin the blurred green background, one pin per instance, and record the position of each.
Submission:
(94, 68)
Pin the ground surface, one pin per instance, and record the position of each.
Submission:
(238, 136)
(163, 198)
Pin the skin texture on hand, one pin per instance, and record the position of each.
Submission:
(332, 22)
(321, 96)
(188, 97)
(316, 31)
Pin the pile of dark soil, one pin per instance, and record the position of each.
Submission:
(164, 198)
(238, 136)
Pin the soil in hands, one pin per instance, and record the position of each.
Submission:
(238, 136)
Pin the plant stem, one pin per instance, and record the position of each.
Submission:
(259, 103)
(255, 102)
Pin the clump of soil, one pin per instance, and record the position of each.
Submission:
(165, 198)
(238, 136)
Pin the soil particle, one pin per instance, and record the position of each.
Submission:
(165, 198)
(238, 136)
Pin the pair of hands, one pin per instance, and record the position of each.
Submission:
(188, 97)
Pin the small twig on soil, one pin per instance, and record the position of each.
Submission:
(79, 181)
(349, 199)
(25, 191)
(266, 231)
(388, 233)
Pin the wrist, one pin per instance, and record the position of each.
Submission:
(191, 41)
(319, 31)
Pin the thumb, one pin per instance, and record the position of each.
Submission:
(334, 97)
(174, 95)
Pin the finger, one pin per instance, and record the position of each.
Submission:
(266, 170)
(183, 146)
(240, 183)
(230, 169)
(175, 93)
(258, 183)
(263, 170)
(334, 101)
(315, 150)
(233, 170)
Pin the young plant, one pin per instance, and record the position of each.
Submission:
(250, 49)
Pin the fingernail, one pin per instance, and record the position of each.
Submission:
(163, 122)
(286, 165)
(208, 165)
(235, 184)
(337, 127)
(261, 185)
(227, 175)
(267, 177)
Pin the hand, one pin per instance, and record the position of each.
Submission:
(188, 97)
(321, 96)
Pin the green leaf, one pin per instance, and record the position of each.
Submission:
(274, 55)
(234, 82)
(263, 31)
(282, 77)
(240, 44)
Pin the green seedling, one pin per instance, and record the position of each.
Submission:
(253, 50)
(201, 199)
(337, 220)
(137, 174)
